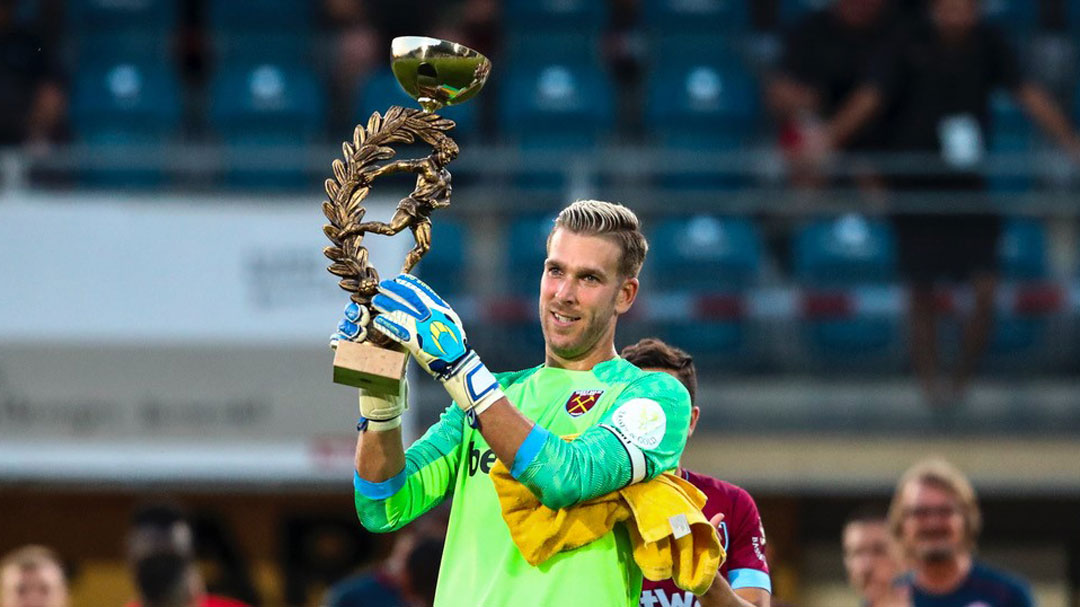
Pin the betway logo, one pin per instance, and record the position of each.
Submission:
(480, 460)
(659, 598)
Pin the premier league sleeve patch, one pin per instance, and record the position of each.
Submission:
(581, 401)
(641, 421)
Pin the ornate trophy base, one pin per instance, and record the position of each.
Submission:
(363, 365)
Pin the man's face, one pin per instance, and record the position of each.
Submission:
(932, 529)
(41, 586)
(582, 294)
(868, 557)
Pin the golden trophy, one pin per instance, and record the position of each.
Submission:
(436, 73)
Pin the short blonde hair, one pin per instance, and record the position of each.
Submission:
(30, 557)
(938, 472)
(609, 220)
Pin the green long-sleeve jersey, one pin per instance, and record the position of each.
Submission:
(632, 427)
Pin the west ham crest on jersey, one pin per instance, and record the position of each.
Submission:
(581, 401)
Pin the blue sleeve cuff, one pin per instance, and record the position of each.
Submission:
(749, 578)
(529, 449)
(379, 491)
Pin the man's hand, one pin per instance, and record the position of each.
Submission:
(413, 315)
(383, 411)
(353, 327)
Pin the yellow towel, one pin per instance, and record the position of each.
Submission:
(670, 536)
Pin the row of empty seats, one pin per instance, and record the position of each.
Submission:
(849, 313)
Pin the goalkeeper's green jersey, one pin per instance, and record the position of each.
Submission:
(633, 427)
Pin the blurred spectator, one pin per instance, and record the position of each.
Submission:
(32, 576)
(870, 556)
(31, 95)
(160, 529)
(825, 57)
(937, 79)
(935, 518)
(407, 579)
(167, 579)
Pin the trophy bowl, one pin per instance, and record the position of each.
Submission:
(437, 72)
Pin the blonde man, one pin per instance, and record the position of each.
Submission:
(935, 518)
(632, 424)
(32, 576)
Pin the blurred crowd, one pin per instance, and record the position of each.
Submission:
(920, 550)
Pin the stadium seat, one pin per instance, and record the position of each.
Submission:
(264, 109)
(1013, 136)
(123, 105)
(444, 266)
(1016, 17)
(840, 256)
(711, 16)
(109, 16)
(790, 11)
(527, 242)
(105, 32)
(1023, 257)
(554, 109)
(710, 259)
(708, 106)
(566, 15)
(268, 30)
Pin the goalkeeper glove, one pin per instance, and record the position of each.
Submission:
(413, 315)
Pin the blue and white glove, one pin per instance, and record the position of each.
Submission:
(414, 316)
(377, 411)
(353, 327)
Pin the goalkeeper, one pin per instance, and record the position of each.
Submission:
(632, 424)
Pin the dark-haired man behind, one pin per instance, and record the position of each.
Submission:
(167, 579)
(744, 576)
(871, 559)
(162, 529)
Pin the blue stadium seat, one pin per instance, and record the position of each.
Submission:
(708, 106)
(790, 11)
(268, 30)
(1014, 16)
(554, 108)
(705, 254)
(1023, 255)
(566, 15)
(380, 91)
(713, 16)
(126, 104)
(266, 107)
(106, 32)
(444, 266)
(109, 16)
(527, 241)
(1013, 135)
(844, 253)
(708, 256)
(556, 105)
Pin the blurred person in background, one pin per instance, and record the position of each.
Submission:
(32, 576)
(161, 529)
(167, 579)
(935, 519)
(825, 57)
(408, 575)
(937, 79)
(871, 558)
(744, 576)
(32, 100)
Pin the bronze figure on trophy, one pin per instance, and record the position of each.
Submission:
(436, 73)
